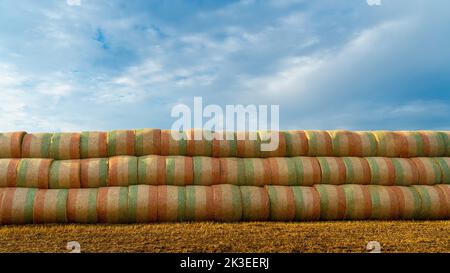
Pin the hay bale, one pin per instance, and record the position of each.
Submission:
(283, 171)
(434, 202)
(179, 170)
(348, 143)
(319, 143)
(33, 173)
(307, 203)
(93, 144)
(333, 170)
(296, 143)
(308, 170)
(17, 206)
(358, 202)
(406, 172)
(227, 203)
(65, 174)
(332, 202)
(65, 146)
(357, 170)
(224, 144)
(112, 205)
(431, 143)
(444, 165)
(232, 171)
(257, 171)
(173, 146)
(122, 171)
(202, 146)
(11, 144)
(152, 170)
(142, 204)
(94, 172)
(121, 142)
(199, 203)
(248, 144)
(428, 170)
(446, 136)
(409, 202)
(266, 138)
(384, 202)
(446, 191)
(255, 203)
(8, 172)
(171, 203)
(282, 203)
(206, 170)
(82, 206)
(148, 142)
(36, 145)
(393, 171)
(391, 144)
(50, 206)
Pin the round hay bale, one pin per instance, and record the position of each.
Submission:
(179, 170)
(357, 170)
(358, 202)
(50, 206)
(17, 206)
(171, 145)
(308, 170)
(206, 170)
(255, 203)
(307, 203)
(430, 143)
(122, 171)
(268, 139)
(82, 206)
(199, 203)
(11, 144)
(152, 170)
(319, 143)
(148, 142)
(112, 205)
(142, 204)
(224, 144)
(332, 202)
(248, 144)
(65, 174)
(409, 202)
(384, 202)
(227, 203)
(406, 172)
(444, 165)
(33, 173)
(382, 171)
(94, 172)
(428, 170)
(121, 142)
(282, 203)
(65, 146)
(348, 143)
(391, 144)
(446, 136)
(8, 172)
(93, 144)
(296, 143)
(199, 142)
(333, 170)
(446, 191)
(232, 171)
(171, 203)
(434, 202)
(257, 172)
(283, 171)
(36, 145)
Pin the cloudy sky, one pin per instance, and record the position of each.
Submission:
(98, 65)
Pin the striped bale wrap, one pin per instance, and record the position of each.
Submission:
(94, 172)
(406, 172)
(93, 144)
(357, 170)
(444, 165)
(17, 206)
(428, 170)
(446, 136)
(224, 144)
(319, 143)
(152, 170)
(142, 204)
(434, 202)
(296, 143)
(307, 203)
(199, 203)
(446, 191)
(393, 171)
(227, 203)
(65, 174)
(8, 172)
(358, 202)
(384, 202)
(11, 144)
(50, 206)
(199, 142)
(308, 170)
(268, 139)
(257, 171)
(148, 142)
(206, 170)
(232, 171)
(332, 202)
(255, 203)
(121, 142)
(248, 144)
(171, 203)
(333, 170)
(348, 143)
(82, 206)
(282, 203)
(112, 205)
(65, 146)
(283, 171)
(426, 143)
(33, 173)
(179, 170)
(122, 171)
(409, 202)
(392, 144)
(36, 145)
(171, 145)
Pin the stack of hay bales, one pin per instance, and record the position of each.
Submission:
(146, 175)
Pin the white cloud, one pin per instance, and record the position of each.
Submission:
(73, 2)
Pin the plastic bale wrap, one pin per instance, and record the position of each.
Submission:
(232, 171)
(142, 204)
(307, 203)
(446, 136)
(36, 145)
(393, 171)
(384, 202)
(332, 202)
(358, 203)
(93, 144)
(173, 142)
(65, 174)
(82, 206)
(50, 206)
(65, 146)
(428, 170)
(171, 203)
(273, 144)
(406, 172)
(122, 171)
(179, 170)
(206, 170)
(282, 203)
(148, 142)
(357, 170)
(112, 205)
(17, 206)
(224, 144)
(248, 144)
(308, 170)
(348, 143)
(94, 172)
(257, 172)
(255, 203)
(434, 202)
(121, 142)
(199, 203)
(227, 203)
(152, 170)
(444, 165)
(446, 191)
(283, 171)
(33, 173)
(199, 142)
(11, 144)
(427, 143)
(8, 172)
(296, 143)
(333, 170)
(319, 143)
(409, 202)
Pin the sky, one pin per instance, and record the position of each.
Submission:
(72, 65)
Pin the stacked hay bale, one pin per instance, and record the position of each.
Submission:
(50, 206)
(112, 205)
(11, 144)
(82, 206)
(36, 145)
(93, 145)
(142, 203)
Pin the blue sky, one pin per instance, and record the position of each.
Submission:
(72, 65)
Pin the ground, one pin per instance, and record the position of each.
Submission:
(398, 236)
